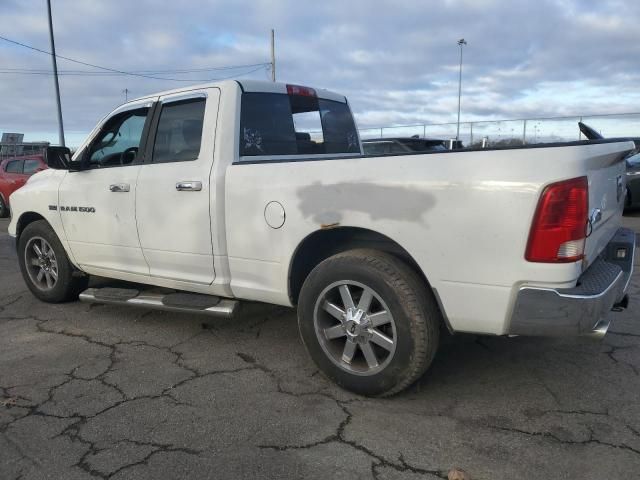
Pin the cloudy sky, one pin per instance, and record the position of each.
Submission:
(397, 61)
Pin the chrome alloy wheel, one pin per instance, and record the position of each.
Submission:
(41, 263)
(355, 327)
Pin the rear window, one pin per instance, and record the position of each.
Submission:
(280, 124)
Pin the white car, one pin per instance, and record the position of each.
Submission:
(228, 192)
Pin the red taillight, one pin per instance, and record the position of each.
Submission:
(559, 226)
(298, 90)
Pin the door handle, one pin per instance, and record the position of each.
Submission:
(119, 187)
(189, 186)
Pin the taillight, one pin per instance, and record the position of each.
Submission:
(558, 231)
(299, 90)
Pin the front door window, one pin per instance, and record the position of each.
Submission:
(119, 140)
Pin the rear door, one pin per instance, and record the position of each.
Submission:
(174, 193)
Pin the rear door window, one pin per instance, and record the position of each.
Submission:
(14, 166)
(179, 132)
(281, 124)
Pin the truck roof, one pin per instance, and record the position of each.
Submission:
(247, 86)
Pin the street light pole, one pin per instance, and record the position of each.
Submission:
(55, 76)
(461, 42)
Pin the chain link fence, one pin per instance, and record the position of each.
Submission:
(515, 132)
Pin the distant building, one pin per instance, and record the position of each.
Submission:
(12, 145)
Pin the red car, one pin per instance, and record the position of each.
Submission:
(14, 173)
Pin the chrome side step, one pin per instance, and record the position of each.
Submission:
(172, 302)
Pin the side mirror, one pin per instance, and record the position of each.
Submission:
(58, 158)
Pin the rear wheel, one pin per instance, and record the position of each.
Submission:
(45, 267)
(368, 321)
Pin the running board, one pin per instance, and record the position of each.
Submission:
(182, 302)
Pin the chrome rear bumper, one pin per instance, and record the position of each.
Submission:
(583, 309)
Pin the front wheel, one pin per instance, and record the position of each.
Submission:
(368, 321)
(45, 267)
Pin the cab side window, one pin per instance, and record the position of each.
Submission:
(179, 132)
(119, 140)
(14, 167)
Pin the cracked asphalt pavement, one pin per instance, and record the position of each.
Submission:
(97, 391)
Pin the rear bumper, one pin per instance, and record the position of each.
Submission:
(583, 309)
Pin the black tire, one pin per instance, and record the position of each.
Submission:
(414, 312)
(4, 209)
(69, 282)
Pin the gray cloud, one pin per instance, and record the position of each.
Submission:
(396, 61)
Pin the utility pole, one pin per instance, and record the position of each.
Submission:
(126, 94)
(55, 76)
(273, 56)
(461, 42)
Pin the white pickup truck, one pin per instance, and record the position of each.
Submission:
(208, 195)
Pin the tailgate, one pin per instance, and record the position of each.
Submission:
(606, 174)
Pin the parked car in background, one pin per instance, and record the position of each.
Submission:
(390, 146)
(633, 181)
(14, 173)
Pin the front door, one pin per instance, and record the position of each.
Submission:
(97, 203)
(173, 203)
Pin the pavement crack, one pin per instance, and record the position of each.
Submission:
(579, 412)
(611, 354)
(623, 334)
(378, 460)
(480, 342)
(544, 385)
(158, 448)
(4, 305)
(551, 436)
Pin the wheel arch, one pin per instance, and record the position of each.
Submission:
(25, 219)
(321, 244)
